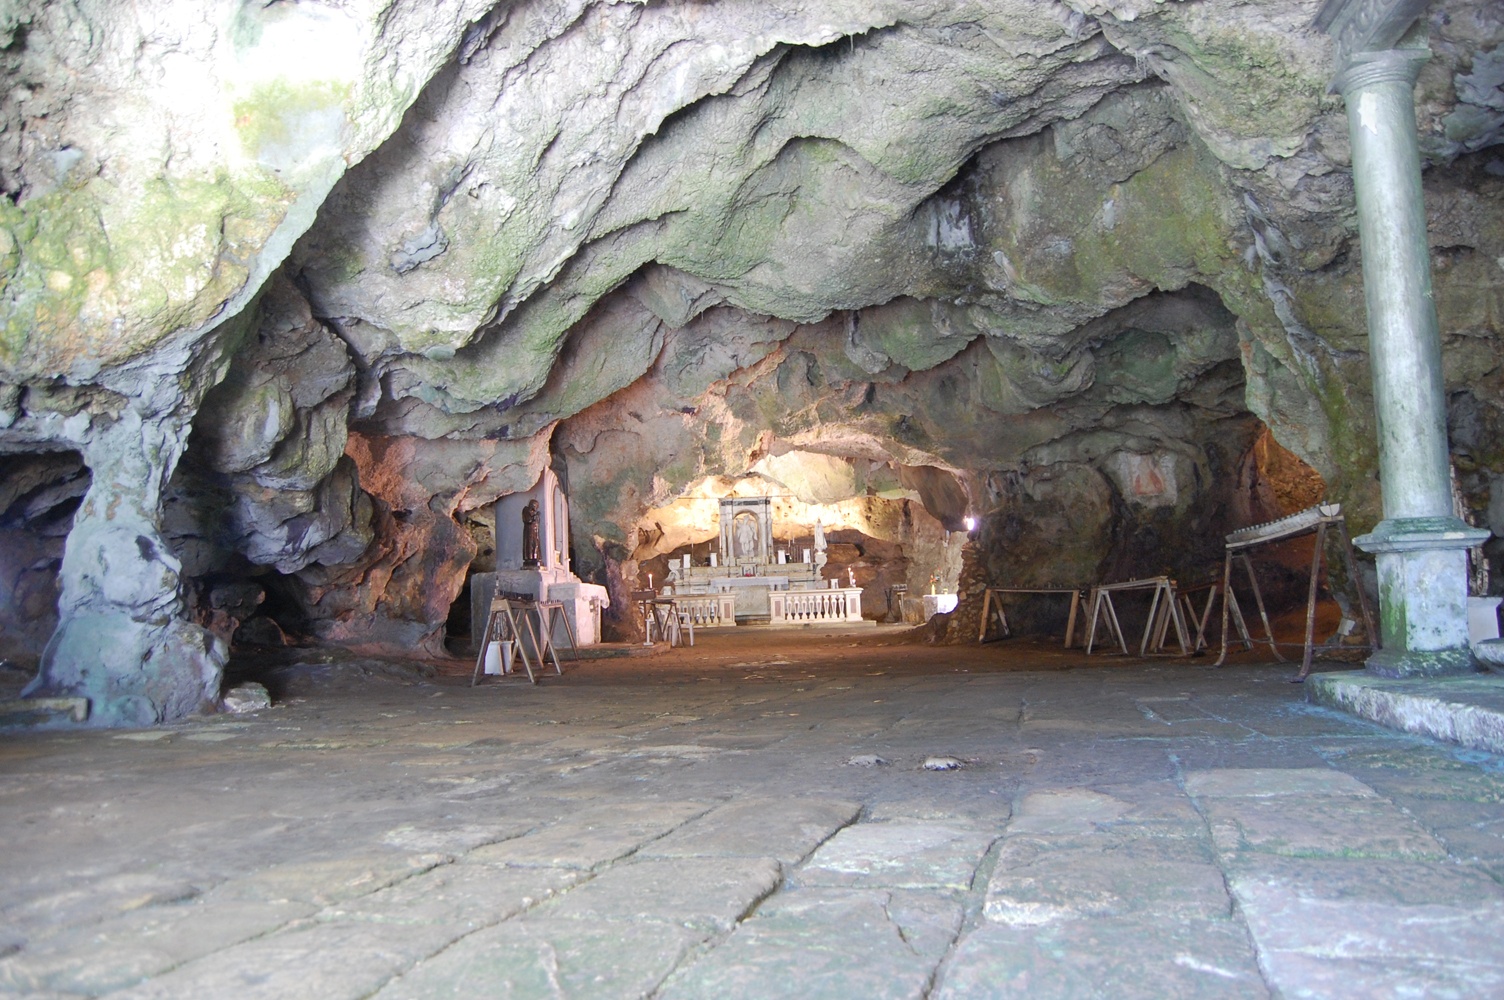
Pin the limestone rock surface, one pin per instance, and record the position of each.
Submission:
(307, 287)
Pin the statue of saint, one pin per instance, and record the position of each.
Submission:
(820, 557)
(530, 544)
(746, 536)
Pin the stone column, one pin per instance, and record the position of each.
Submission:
(1421, 546)
(122, 641)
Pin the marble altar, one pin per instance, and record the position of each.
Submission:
(939, 604)
(762, 584)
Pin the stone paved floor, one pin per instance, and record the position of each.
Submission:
(692, 826)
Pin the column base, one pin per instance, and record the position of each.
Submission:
(132, 673)
(1422, 564)
(1421, 663)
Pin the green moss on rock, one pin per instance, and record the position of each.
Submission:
(101, 274)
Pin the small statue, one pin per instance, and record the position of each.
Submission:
(746, 536)
(820, 557)
(530, 543)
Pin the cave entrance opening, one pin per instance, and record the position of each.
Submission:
(1288, 486)
(39, 495)
(460, 626)
(1284, 567)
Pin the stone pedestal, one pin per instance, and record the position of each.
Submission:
(1423, 602)
(1420, 545)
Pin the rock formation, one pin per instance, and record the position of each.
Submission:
(293, 291)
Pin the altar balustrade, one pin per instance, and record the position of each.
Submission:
(707, 610)
(797, 607)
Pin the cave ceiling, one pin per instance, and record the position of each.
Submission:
(342, 272)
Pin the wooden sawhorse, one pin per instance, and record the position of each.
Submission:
(992, 606)
(511, 617)
(547, 610)
(1164, 610)
(503, 626)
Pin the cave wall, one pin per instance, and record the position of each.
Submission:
(363, 267)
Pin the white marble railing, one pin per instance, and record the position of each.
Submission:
(707, 610)
(801, 606)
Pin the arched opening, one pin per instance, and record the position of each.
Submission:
(467, 613)
(878, 531)
(39, 494)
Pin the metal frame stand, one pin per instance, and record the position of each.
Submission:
(1318, 520)
(671, 622)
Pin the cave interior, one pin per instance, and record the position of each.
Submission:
(997, 292)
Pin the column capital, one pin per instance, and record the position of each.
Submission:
(1366, 69)
(1410, 534)
(1366, 25)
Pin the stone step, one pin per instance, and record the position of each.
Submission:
(1466, 710)
(34, 712)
